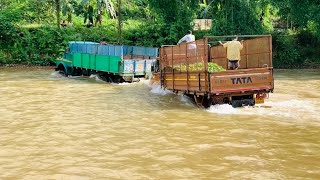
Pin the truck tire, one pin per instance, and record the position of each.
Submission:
(61, 70)
(242, 102)
(236, 103)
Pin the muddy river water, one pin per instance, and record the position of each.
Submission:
(52, 127)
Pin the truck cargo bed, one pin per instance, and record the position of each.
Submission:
(202, 72)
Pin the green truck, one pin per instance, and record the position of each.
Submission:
(113, 63)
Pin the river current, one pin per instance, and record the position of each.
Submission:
(54, 127)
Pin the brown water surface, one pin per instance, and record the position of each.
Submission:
(54, 127)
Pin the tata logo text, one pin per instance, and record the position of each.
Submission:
(241, 80)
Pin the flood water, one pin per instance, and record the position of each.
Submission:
(52, 127)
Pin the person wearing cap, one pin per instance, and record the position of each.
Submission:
(233, 52)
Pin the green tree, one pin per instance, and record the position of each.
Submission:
(235, 17)
(174, 17)
(100, 7)
(68, 7)
(305, 12)
(39, 11)
(58, 10)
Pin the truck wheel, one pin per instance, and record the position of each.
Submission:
(61, 70)
(236, 103)
(62, 73)
(105, 77)
(248, 102)
(252, 103)
(202, 101)
(242, 102)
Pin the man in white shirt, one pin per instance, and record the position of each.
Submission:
(190, 40)
(189, 37)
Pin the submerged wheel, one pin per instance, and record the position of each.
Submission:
(202, 101)
(105, 78)
(61, 70)
(236, 103)
(111, 78)
(62, 73)
(76, 71)
(86, 72)
(242, 102)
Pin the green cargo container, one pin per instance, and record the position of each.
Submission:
(102, 63)
(92, 61)
(114, 64)
(86, 61)
(76, 60)
(97, 62)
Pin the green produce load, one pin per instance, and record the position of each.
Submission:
(195, 67)
(214, 67)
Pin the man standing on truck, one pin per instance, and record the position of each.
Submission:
(189, 38)
(233, 52)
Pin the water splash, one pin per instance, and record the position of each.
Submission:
(146, 82)
(223, 109)
(296, 109)
(96, 77)
(156, 89)
(56, 74)
(291, 109)
(123, 84)
(186, 100)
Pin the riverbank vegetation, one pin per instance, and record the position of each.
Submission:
(31, 33)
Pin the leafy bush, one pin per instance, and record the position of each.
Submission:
(307, 39)
(41, 45)
(285, 51)
(309, 46)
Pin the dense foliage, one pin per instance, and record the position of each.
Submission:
(31, 33)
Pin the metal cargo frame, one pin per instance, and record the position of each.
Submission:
(256, 53)
(184, 67)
